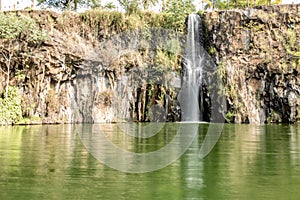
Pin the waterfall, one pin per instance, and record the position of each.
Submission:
(192, 73)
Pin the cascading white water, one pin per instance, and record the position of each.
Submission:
(193, 72)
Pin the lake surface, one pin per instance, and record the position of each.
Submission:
(248, 162)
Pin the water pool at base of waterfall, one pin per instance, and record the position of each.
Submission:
(248, 162)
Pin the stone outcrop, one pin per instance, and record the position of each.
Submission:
(258, 55)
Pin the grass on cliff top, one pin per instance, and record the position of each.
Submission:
(101, 22)
(118, 21)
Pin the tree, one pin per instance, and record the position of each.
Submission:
(133, 6)
(91, 3)
(110, 6)
(149, 3)
(177, 11)
(60, 4)
(130, 6)
(13, 30)
(69, 4)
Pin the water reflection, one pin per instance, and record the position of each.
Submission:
(155, 155)
(50, 162)
(254, 160)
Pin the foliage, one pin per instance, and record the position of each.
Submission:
(168, 58)
(292, 44)
(229, 116)
(134, 6)
(131, 6)
(264, 2)
(231, 4)
(165, 61)
(221, 70)
(10, 106)
(149, 3)
(15, 27)
(117, 22)
(102, 21)
(154, 19)
(177, 12)
(109, 6)
(69, 4)
(211, 51)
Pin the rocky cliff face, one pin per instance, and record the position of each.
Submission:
(258, 55)
(80, 75)
(92, 70)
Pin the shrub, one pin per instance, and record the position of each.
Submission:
(10, 106)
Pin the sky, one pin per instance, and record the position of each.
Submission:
(15, 4)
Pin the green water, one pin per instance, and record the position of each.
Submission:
(248, 162)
